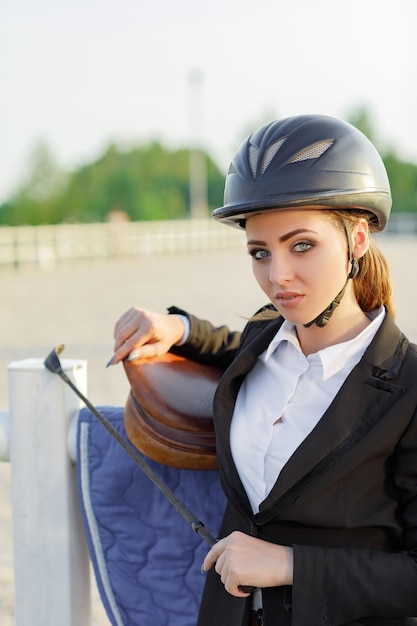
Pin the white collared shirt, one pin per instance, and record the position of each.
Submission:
(283, 398)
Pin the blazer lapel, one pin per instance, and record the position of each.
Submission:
(366, 395)
(224, 403)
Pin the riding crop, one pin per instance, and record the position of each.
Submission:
(53, 364)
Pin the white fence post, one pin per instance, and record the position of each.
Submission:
(4, 435)
(51, 565)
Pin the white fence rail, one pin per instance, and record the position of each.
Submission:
(47, 246)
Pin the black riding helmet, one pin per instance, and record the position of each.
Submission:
(312, 160)
(306, 160)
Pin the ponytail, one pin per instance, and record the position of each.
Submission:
(373, 284)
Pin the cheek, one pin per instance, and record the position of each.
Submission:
(332, 275)
(261, 273)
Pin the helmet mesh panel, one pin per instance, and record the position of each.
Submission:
(271, 152)
(253, 158)
(313, 152)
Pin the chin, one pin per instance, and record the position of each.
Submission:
(299, 320)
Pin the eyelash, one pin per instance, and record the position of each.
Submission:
(255, 251)
(309, 245)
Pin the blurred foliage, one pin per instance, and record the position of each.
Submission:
(150, 183)
(145, 183)
(403, 178)
(34, 202)
(402, 175)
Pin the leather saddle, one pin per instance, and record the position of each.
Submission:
(168, 413)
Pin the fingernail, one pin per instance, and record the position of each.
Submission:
(134, 356)
(111, 362)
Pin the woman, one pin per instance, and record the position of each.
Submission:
(315, 415)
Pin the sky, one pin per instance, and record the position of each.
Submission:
(81, 74)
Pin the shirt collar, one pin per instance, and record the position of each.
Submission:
(336, 357)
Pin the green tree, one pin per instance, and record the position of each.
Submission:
(402, 175)
(403, 179)
(35, 201)
(147, 183)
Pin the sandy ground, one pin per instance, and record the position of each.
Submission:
(78, 304)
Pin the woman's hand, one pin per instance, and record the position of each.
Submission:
(143, 334)
(240, 559)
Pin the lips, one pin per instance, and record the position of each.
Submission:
(288, 299)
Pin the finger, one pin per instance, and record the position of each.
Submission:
(131, 320)
(145, 351)
(239, 591)
(131, 345)
(212, 556)
(135, 333)
(231, 579)
(124, 320)
(131, 327)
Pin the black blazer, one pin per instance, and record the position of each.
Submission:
(346, 500)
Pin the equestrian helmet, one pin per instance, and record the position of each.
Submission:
(306, 160)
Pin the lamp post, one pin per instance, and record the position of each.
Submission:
(197, 162)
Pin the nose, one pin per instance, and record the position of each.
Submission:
(280, 270)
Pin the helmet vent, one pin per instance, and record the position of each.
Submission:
(271, 152)
(253, 159)
(232, 169)
(313, 152)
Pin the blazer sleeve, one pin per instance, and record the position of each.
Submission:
(207, 343)
(340, 585)
(213, 345)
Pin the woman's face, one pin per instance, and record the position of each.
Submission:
(300, 260)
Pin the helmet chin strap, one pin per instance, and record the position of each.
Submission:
(323, 318)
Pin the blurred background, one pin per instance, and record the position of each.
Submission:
(102, 101)
(117, 124)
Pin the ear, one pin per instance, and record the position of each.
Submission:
(360, 238)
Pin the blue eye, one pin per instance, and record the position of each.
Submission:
(259, 254)
(302, 246)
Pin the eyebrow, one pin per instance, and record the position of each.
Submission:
(283, 238)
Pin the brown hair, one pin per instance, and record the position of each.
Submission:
(373, 285)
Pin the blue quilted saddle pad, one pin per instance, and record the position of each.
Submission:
(146, 557)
